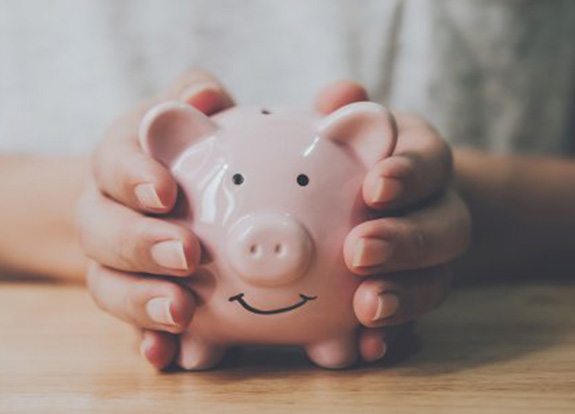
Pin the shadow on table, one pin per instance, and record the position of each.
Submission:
(487, 325)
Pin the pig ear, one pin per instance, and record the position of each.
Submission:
(366, 128)
(168, 129)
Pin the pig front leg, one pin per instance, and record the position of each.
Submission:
(196, 355)
(334, 353)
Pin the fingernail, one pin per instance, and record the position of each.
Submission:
(170, 255)
(196, 89)
(148, 197)
(159, 310)
(145, 346)
(381, 353)
(387, 189)
(371, 252)
(387, 305)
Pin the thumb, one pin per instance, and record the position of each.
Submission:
(202, 90)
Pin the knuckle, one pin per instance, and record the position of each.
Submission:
(128, 172)
(94, 282)
(132, 302)
(133, 242)
(417, 241)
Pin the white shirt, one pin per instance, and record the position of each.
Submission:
(492, 74)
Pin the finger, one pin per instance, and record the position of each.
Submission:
(201, 90)
(427, 237)
(392, 300)
(375, 343)
(144, 302)
(125, 240)
(128, 175)
(338, 94)
(159, 348)
(420, 167)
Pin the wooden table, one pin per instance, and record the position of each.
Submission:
(499, 349)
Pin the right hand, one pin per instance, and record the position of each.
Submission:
(126, 244)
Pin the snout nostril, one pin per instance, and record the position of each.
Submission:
(278, 249)
(255, 249)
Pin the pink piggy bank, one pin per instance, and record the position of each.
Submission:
(271, 196)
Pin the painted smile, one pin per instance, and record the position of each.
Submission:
(240, 299)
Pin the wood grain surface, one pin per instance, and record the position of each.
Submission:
(493, 349)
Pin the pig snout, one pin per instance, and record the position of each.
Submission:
(269, 249)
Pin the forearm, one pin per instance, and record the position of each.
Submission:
(523, 211)
(38, 197)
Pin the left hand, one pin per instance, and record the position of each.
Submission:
(402, 255)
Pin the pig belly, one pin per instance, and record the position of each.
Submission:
(223, 323)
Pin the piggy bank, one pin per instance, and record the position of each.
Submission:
(271, 196)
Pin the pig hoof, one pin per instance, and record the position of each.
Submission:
(334, 354)
(196, 357)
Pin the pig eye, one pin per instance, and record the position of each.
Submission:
(238, 179)
(302, 180)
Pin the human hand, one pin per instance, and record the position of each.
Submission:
(423, 225)
(126, 245)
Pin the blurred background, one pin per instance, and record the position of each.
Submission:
(490, 74)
